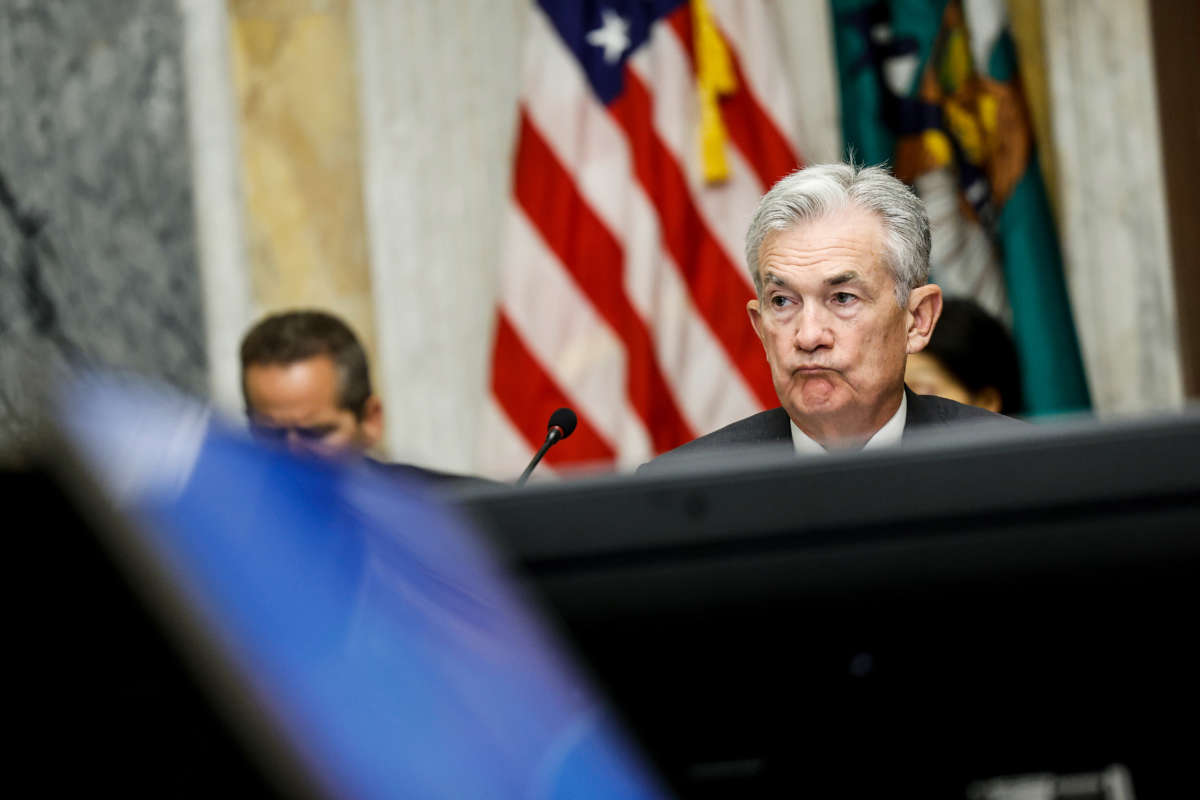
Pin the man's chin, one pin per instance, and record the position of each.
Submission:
(820, 392)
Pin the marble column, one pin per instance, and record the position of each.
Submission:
(97, 238)
(218, 195)
(1112, 201)
(301, 169)
(440, 83)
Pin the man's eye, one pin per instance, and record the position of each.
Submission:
(779, 301)
(843, 298)
(315, 433)
(269, 433)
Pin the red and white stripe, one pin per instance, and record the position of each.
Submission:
(622, 288)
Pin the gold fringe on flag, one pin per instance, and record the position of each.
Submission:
(714, 78)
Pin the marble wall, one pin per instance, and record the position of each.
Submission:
(301, 171)
(97, 236)
(1113, 204)
(217, 194)
(439, 92)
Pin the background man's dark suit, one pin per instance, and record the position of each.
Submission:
(773, 426)
(427, 477)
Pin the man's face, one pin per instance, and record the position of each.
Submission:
(298, 403)
(835, 338)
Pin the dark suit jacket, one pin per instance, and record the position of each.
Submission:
(427, 477)
(774, 426)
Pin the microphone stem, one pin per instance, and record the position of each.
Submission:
(553, 436)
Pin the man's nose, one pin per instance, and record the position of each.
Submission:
(812, 330)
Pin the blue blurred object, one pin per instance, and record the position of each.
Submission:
(386, 644)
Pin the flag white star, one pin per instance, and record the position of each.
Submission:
(612, 35)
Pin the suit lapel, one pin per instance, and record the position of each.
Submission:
(777, 425)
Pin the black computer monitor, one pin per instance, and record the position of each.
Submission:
(970, 614)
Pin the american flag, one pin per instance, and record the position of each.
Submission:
(647, 131)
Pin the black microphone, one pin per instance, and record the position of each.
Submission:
(562, 424)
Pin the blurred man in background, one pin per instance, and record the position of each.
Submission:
(306, 384)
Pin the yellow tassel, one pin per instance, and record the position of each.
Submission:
(937, 147)
(714, 77)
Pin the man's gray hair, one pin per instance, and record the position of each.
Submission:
(822, 189)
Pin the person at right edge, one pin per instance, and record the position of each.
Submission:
(970, 358)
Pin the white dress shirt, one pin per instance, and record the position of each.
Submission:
(886, 436)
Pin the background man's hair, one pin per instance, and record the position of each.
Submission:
(291, 336)
(822, 189)
(977, 350)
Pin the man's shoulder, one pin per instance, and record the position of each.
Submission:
(764, 427)
(927, 410)
(422, 475)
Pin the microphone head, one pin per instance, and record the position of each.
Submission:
(565, 420)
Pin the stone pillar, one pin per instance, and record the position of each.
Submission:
(97, 234)
(218, 195)
(440, 84)
(298, 115)
(1112, 200)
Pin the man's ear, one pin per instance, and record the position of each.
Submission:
(372, 422)
(752, 308)
(924, 308)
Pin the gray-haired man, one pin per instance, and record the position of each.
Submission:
(840, 260)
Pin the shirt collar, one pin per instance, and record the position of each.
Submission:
(886, 436)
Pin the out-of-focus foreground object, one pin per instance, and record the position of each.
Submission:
(204, 615)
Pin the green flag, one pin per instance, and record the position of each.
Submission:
(936, 94)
